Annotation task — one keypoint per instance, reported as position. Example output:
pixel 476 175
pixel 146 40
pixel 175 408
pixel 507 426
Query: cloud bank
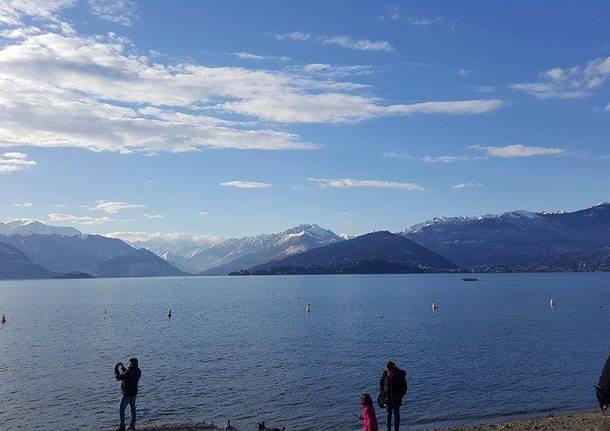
pixel 375 184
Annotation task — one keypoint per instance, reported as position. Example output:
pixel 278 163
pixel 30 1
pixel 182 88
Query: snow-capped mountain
pixel 62 250
pixel 517 238
pixel 33 227
pixel 240 253
pixel 184 247
pixel 372 253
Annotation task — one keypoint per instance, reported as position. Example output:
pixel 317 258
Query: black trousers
pixel 393 411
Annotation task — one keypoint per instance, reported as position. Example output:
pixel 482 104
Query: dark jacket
pixel 129 380
pixel 394 388
pixel 603 386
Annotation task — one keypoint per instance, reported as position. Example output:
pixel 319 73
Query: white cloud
pixel 393 155
pixel 118 11
pixel 392 13
pixel 344 214
pixel 113 207
pixel 339 40
pixel 246 184
pixel 12 162
pixel 377 184
pixel 167 237
pixel 607 108
pixel 203 213
pixel 331 71
pixel 154 216
pixel 463 72
pixel 15 155
pixel 24 205
pixel 13 11
pixel 424 22
pixel 466 185
pixel 358 44
pixel 295 35
pixel 84 220
pixel 518 150
pixel 445 159
pixel 568 83
pixel 344 108
pixel 249 56
pixel 63 90
pixel 59 206
pixel 430 159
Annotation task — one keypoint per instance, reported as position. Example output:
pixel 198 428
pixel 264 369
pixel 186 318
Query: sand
pixel 178 426
pixel 585 421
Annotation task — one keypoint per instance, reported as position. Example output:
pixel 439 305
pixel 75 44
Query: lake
pixel 242 348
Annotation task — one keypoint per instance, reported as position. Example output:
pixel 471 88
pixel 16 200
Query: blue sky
pixel 235 118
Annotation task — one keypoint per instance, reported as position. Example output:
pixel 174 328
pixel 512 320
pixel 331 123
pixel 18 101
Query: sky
pixel 236 118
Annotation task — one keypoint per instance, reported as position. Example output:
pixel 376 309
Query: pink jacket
pixel 369 420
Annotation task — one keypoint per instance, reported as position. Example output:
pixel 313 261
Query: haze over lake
pixel 242 348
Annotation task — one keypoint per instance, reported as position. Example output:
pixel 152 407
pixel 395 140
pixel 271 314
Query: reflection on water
pixel 243 348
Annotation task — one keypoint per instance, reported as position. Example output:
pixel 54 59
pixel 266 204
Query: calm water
pixel 243 348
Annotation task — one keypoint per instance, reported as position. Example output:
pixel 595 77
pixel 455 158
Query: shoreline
pixel 588 420
pixel 578 421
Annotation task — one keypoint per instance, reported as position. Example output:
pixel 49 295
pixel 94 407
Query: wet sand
pixel 585 421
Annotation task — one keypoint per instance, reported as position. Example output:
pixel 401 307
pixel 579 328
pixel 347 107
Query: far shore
pixel 582 421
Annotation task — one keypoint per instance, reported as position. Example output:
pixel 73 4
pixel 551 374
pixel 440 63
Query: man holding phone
pixel 129 378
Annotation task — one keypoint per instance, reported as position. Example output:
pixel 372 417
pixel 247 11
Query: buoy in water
pixel 434 306
pixel 169 313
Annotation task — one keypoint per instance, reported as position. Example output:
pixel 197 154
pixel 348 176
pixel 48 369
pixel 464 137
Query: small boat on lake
pixel 470 279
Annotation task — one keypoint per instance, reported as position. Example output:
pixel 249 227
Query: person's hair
pixel 134 362
pixel 366 400
pixel 390 366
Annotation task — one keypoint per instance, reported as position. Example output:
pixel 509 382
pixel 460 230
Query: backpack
pixel 403 383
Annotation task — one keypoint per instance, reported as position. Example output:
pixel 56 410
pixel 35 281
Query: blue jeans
pixel 132 406
pixel 393 411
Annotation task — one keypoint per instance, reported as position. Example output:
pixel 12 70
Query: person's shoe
pixel 132 428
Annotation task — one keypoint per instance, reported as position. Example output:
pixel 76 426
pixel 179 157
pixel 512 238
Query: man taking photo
pixel 129 378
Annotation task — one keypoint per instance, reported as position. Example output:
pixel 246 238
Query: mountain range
pixel 376 252
pixel 514 241
pixel 218 257
pixel 30 249
pixel 519 240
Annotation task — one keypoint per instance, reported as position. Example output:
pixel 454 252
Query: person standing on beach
pixel 392 389
pixel 368 418
pixel 129 387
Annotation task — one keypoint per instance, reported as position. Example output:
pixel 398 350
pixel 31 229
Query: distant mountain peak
pixel 34 227
pixel 374 252
pixel 238 253
pixel 520 213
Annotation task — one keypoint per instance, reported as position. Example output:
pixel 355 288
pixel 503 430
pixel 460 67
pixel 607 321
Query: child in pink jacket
pixel 368 418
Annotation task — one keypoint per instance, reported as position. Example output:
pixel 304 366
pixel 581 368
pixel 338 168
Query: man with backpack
pixel 392 389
